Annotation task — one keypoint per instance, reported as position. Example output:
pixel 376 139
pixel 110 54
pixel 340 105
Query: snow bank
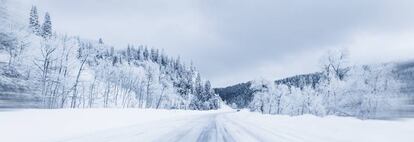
pixel 37 125
pixel 331 128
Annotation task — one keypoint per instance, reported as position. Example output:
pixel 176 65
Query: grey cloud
pixel 230 39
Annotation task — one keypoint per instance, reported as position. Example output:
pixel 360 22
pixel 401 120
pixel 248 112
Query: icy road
pixel 134 125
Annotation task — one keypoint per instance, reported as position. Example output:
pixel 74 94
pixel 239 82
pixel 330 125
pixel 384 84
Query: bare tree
pixel 335 63
pixel 75 86
pixel 44 64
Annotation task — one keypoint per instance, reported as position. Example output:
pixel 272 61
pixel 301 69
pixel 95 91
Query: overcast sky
pixel 233 41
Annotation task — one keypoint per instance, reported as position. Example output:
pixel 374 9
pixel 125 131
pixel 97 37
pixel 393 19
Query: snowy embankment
pixel 325 129
pixel 120 125
pixel 41 125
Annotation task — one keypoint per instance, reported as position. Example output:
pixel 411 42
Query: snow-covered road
pixel 203 128
pixel 132 125
pixel 209 127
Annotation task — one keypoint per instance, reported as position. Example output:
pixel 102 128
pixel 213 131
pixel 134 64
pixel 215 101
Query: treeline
pixel 71 72
pixel 241 95
pixel 342 89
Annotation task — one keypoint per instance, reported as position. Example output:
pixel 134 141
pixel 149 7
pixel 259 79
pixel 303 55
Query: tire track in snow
pixel 243 132
pixel 208 133
pixel 203 129
pixel 222 131
pixel 192 130
pixel 216 127
pixel 215 132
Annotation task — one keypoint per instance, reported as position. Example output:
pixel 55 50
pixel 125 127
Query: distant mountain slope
pixel 405 73
pixel 241 94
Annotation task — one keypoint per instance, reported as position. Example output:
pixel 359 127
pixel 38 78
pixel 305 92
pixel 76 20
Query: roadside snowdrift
pixel 41 125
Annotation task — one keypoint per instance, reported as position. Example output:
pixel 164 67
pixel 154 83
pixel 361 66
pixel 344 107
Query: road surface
pixel 211 127
pixel 148 125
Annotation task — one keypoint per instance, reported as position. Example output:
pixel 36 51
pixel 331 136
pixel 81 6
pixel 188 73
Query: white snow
pixel 4 58
pixel 52 125
pixel 125 125
pixel 318 129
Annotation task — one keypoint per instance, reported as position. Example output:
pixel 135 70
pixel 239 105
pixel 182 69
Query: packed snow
pixel 125 125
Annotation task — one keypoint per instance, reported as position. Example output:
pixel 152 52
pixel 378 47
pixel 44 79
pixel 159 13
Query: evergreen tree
pixel 146 53
pixel 100 41
pixel 153 56
pixel 34 21
pixel 157 56
pixel 111 51
pixel 192 74
pixel 209 97
pixel 177 64
pixel 129 54
pixel 47 27
pixel 208 91
pixel 139 54
pixel 199 89
pixel 164 58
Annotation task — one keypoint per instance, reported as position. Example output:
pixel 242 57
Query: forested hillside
pixel 240 95
pixel 405 73
pixel 41 68
pixel 237 96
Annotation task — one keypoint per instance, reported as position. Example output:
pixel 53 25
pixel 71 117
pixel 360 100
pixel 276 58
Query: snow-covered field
pixel 132 125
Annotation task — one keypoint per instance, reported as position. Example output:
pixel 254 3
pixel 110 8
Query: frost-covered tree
pixel 47 26
pixel 335 66
pixel 271 98
pixel 198 92
pixel 13 39
pixel 261 100
pixel 100 41
pixel 146 54
pixel 75 89
pixel 139 54
pixel 34 21
pixel 312 102
pixel 368 91
pixel 9 43
pixel 335 63
pixel 151 85
pixel 198 85
pixel 44 64
pixel 14 42
pixel 207 94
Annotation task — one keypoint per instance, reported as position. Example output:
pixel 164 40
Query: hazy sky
pixel 233 41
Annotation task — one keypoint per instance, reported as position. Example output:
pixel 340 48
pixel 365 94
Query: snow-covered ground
pixel 132 125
